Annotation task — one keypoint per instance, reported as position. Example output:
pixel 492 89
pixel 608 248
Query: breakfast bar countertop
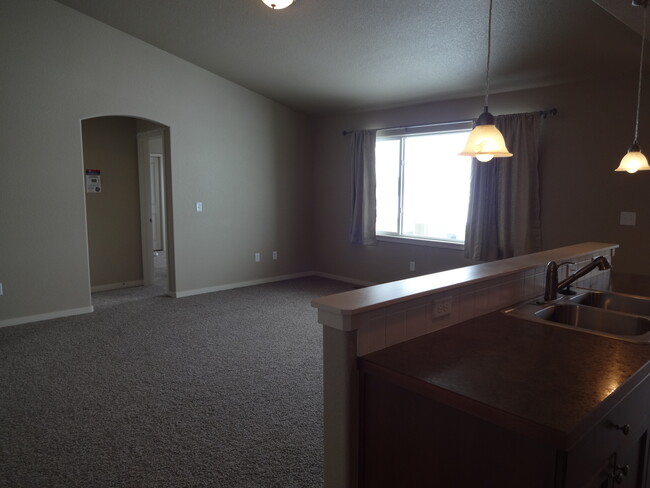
pixel 546 382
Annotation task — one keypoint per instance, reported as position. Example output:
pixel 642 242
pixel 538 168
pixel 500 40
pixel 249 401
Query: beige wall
pixel 113 216
pixel 581 195
pixel 244 156
pixel 269 178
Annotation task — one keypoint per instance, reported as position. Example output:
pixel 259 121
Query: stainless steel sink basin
pixel 596 319
pixel 625 317
pixel 614 301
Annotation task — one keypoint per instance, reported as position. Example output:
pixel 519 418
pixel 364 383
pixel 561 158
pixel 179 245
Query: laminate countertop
pixel 546 382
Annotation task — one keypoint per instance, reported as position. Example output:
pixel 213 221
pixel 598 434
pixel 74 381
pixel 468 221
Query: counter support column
pixel 341 408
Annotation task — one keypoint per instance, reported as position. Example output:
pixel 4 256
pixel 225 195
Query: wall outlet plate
pixel 442 307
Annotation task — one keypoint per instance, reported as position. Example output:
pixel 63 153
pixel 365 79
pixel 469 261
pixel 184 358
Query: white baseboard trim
pixel 116 286
pixel 241 284
pixel 199 291
pixel 45 316
pixel 344 279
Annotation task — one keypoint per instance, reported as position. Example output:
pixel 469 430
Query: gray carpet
pixel 216 390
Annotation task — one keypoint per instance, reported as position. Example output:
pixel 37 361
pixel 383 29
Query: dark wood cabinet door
pixel 408 440
pixel 413 442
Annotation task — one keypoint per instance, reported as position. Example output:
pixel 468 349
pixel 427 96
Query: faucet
pixel 552 285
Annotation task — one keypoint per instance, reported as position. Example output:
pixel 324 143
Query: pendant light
pixel 634 160
pixel 277 4
pixel 485 141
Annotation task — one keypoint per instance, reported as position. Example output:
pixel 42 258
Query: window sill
pixel 460 246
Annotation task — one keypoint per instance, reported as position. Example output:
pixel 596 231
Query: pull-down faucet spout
pixel 552 285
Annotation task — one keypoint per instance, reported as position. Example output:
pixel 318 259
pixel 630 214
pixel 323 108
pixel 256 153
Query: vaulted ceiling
pixel 323 56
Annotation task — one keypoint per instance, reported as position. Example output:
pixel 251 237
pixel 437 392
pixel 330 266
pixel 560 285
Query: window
pixel 423 185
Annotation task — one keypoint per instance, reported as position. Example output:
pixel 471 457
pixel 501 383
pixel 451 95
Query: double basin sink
pixel 605 313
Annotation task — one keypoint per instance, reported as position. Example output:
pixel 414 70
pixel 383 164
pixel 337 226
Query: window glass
pixel 423 186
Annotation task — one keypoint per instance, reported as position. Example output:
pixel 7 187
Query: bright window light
pixel 423 186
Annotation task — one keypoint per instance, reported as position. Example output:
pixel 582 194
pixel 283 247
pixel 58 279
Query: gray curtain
pixel 503 218
pixel 364 200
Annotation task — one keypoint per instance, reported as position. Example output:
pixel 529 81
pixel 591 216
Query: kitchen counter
pixel 544 382
pixel 365 321
pixel 501 401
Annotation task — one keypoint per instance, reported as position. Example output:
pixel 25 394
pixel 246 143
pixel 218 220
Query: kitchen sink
pixel 610 314
pixel 598 319
pixel 617 302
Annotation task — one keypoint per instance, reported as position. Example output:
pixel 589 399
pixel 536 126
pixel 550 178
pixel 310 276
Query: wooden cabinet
pixel 615 450
pixel 412 439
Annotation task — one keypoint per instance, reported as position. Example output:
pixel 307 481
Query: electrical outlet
pixel 412 266
pixel 1 292
pixel 275 255
pixel 258 257
pixel 441 307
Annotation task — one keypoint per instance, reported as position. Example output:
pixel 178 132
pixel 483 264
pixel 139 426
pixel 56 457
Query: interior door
pixel 156 171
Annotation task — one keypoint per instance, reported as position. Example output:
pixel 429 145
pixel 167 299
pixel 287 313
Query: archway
pixel 127 165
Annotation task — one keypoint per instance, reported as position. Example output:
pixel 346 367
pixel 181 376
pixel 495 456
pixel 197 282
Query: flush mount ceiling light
pixel 634 160
pixel 485 141
pixel 277 4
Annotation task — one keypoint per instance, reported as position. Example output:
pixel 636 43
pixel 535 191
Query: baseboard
pixel 116 286
pixel 241 284
pixel 45 316
pixel 180 294
pixel 345 279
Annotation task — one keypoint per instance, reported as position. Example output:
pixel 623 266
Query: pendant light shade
pixel 277 4
pixel 634 160
pixel 486 141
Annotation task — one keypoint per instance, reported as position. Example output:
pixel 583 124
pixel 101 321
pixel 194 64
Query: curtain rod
pixel 543 113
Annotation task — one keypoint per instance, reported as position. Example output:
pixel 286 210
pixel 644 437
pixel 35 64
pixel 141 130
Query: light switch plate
pixel 628 218
pixel 199 206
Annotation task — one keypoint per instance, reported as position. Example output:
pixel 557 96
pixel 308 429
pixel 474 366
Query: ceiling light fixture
pixel 634 160
pixel 277 4
pixel 485 141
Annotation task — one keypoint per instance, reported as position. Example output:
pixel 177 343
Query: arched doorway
pixel 128 159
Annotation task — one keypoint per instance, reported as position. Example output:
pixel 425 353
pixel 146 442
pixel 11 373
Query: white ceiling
pixel 323 56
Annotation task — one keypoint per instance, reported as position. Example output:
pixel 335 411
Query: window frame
pixel 400 134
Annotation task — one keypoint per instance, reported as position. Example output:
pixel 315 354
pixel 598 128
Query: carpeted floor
pixel 215 390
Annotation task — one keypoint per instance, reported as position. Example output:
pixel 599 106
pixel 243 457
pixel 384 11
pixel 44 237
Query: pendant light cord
pixel 638 96
pixel 489 45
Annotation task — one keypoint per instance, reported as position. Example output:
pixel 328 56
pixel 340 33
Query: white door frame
pixel 157 177
pixel 146 230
